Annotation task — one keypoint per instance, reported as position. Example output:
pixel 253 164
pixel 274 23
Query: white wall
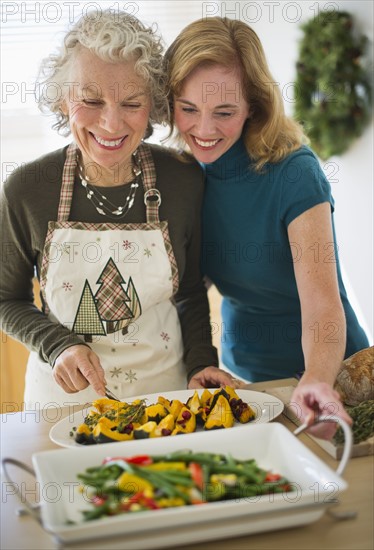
pixel 26 135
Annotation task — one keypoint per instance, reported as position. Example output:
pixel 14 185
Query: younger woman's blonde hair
pixel 269 135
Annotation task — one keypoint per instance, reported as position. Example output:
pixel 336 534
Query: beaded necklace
pixel 102 204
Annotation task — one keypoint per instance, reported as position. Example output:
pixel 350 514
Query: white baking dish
pixel 273 447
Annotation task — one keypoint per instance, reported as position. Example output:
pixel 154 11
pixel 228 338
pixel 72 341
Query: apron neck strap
pixel 67 187
pixel 152 196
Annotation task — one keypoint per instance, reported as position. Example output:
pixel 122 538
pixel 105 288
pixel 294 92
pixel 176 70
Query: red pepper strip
pixel 272 477
pixel 143 460
pixel 152 504
pixel 137 497
pixel 98 501
pixel 197 474
pixel 140 498
pixel 134 499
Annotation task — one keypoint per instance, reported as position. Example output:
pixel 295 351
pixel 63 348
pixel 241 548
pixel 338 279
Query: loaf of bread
pixel 355 381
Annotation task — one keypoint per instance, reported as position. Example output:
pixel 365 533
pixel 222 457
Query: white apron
pixel 112 284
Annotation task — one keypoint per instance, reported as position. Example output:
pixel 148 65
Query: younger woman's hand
pixel 318 399
pixel 212 377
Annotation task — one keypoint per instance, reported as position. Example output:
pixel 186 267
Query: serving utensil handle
pixel 32 509
pixel 348 439
pixel 110 395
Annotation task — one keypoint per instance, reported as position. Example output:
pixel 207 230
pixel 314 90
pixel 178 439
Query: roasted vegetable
pixel 111 424
pixel 243 413
pixel 221 415
pixel 219 393
pixel 103 434
pixel 206 398
pixel 144 431
pixel 194 403
pixel 231 393
pixel 175 407
pixel 165 427
pixel 83 435
pixel 104 404
pixel 155 413
pixel 185 423
pixel 195 406
pixel 165 402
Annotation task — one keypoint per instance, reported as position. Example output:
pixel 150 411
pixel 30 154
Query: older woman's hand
pixel 78 367
pixel 310 400
pixel 212 377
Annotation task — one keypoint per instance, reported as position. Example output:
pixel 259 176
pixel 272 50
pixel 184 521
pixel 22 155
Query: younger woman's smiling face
pixel 108 106
pixel 210 111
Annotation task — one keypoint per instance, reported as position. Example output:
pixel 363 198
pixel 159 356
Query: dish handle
pixel 32 509
pixel 348 439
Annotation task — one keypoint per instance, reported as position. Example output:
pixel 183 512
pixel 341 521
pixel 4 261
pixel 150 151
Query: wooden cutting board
pixel 284 393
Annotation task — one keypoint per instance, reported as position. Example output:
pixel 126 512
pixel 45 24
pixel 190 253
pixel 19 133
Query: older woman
pixel 111 226
pixel 268 234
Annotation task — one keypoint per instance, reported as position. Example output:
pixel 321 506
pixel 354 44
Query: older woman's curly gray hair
pixel 113 37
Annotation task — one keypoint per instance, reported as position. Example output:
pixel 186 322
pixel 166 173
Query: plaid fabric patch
pixel 111 298
pixel 88 226
pixel 45 262
pixel 68 177
pixel 87 320
pixel 152 196
pixel 169 249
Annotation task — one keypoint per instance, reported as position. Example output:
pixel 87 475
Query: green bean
pixel 250 473
pixel 161 479
pixel 94 469
pixel 231 461
pixel 185 456
pixel 177 479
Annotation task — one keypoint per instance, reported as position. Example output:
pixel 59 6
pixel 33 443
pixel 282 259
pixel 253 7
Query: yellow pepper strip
pixel 228 479
pixel 170 502
pixel 131 483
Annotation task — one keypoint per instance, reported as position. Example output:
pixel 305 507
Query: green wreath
pixel 332 94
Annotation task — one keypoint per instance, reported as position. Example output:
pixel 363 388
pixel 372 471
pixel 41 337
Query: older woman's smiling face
pixel 108 106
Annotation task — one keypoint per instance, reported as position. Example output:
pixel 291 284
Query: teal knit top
pixel 248 256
